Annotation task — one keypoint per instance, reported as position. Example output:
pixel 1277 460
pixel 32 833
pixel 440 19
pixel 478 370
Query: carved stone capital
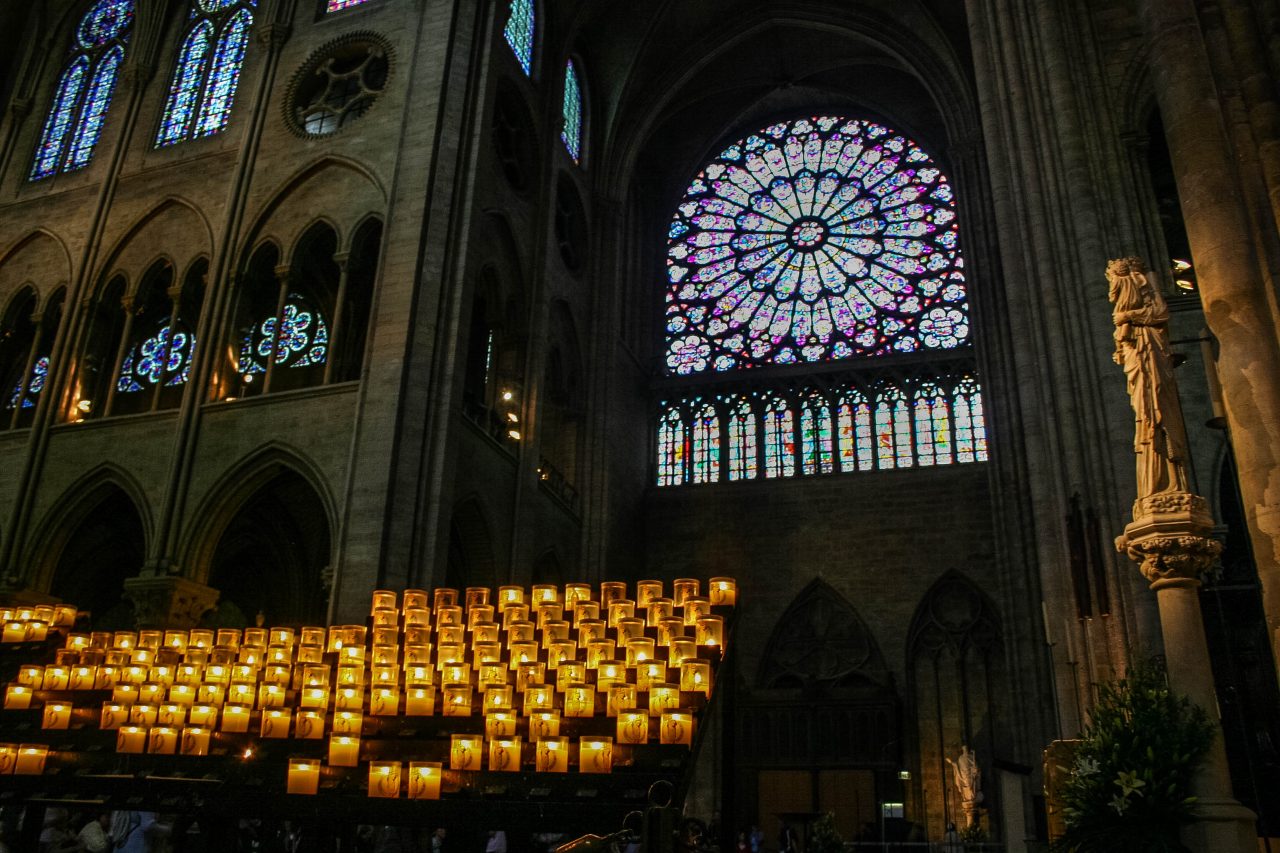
pixel 1166 560
pixel 1173 504
pixel 273 35
pixel 169 602
pixel 20 107
pixel 136 75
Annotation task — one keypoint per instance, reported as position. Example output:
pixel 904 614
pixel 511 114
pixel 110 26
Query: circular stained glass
pixel 106 21
pixel 813 240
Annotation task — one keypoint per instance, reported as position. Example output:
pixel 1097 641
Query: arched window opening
pixel 519 32
pixel 207 72
pixel 971 424
pixel 933 426
pixel 743 450
pixel 104 548
pixel 477 387
pixel 161 341
pixel 561 409
pixel 779 439
pixel 83 95
pixel 26 341
pixel 704 456
pixel 671 449
pixel 272 556
pixel 339 5
pixel 571 113
pixel 816 452
pixel 93 388
pixel 856 446
pixel 471 560
pixel 355 300
pixel 893 429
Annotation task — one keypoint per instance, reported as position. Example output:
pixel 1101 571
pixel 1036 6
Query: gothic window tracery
pixel 207 72
pixel 821 640
pixel 83 95
pixel 26 339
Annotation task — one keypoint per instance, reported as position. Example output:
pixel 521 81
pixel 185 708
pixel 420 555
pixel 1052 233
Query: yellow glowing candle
pixel 420 701
pixel 523 652
pixel 608 673
pixel 30 676
pixel 498 698
pixel 30 759
pixel 241 693
pixel 385 656
pixel 57 715
pixel 384 598
pixel 143 715
pixel 64 616
pixel 559 651
pixel 538 697
pixel 611 591
pixel 696 607
pixel 709 631
pixel 585 611
pixel 424 780
pixel 450 654
pixel 127 640
pixel 633 727
pixel 528 674
pixel 476 596
pixel 659 609
pixel 14 632
pixel 17 697
pixel 271 696
pixel 516 613
pixel 570 672
pixel 386 618
pixel 622 697
pixel 479 614
pixel 344 750
pixel 682 588
pixel 670 629
pixel 348 722
pixel 499 724
pixel 275 722
pixel 235 719
pixel 182 694
pixel 417 617
pixel 349 699
pixel 623 608
pixel 304 776
pixel 202 716
pixel 509 595
pixel 56 677
pixel 485 632
pixel 552 755
pixel 521 632
pixel 598 650
pixel 8 757
pixel 457 700
pixel 162 740
pixel 384 779
pixel 682 649
pixel 695 676
pixel 544 724
pixel 676 727
pixel 639 651
pixel 723 592
pixel 595 755
pixel 310 654
pixel 464 752
pixel 663 697
pixel 504 754
pixel 579 701
pixel 650 673
pixel 448 614
pixel 455 673
pixel 174 716
pixel 277 673
pixel 106 677
pixel 647 591
pixel 114 715
pixel 384 702
pixel 194 741
pixel 575 592
pixel 309 725
pixel 313 697
pixel 124 694
pixel 415 598
pixel 419 675
pixel 417 650
pixel 493 675
pixel 132 739
pixel 548 613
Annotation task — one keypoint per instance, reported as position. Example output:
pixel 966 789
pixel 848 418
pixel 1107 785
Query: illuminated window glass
pixel 671 449
pixel 815 437
pixel 339 5
pixel 302 339
pixel 161 359
pixel 207 72
pixel 704 461
pixel 35 384
pixel 814 240
pixel 519 32
pixel 854 434
pixel 892 429
pixel 933 426
pixel 83 95
pixel 779 440
pixel 742 441
pixel 971 426
pixel 572 112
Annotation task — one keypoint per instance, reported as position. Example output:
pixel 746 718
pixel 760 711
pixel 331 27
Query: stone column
pixel 1236 305
pixel 1170 540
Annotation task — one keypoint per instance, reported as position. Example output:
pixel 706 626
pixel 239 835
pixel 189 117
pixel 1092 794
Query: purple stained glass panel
pixel 339 5
pixel 96 102
pixel 193 61
pixel 220 92
pixel 58 124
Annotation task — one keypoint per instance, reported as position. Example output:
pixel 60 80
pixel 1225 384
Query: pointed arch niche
pixel 820 730
pixel 959 688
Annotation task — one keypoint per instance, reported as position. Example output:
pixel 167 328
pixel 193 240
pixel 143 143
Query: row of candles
pixel 32 624
pixel 279 677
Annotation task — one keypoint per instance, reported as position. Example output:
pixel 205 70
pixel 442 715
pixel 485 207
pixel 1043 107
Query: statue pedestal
pixel 169 601
pixel 1170 541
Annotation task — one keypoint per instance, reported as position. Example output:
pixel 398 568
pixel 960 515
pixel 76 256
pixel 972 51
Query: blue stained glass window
pixel 705 450
pixel 165 357
pixel 224 77
pixel 572 133
pixel 339 5
pixel 58 123
pixel 188 78
pixel 814 240
pixel 742 442
pixel 96 101
pixel 303 340
pixel 815 437
pixel 779 440
pixel 671 449
pixel 39 374
pixel 519 32
pixel 83 96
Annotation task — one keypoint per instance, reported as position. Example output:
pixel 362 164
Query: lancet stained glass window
pixel 971 425
pixel 83 95
pixel 854 416
pixel 933 426
pixel 705 452
pixel 571 135
pixel 519 32
pixel 742 442
pixel 671 449
pixel 815 437
pixel 779 440
pixel 207 72
pixel 813 240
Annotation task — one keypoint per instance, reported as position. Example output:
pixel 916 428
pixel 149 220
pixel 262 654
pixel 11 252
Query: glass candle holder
pixel 574 592
pixel 590 631
pixel 384 779
pixel 8 757
pixel 310 654
pixel 595 755
pixel 30 676
pixel 304 776
pixel 384 599
pixel 384 702
pixel 194 741
pixel 599 650
pixel 210 694
pixel 509 595
pixel 313 697
pixel 386 617
pixel 559 651
pixel 143 715
pixel 347 722
pixel 681 650
pixel 480 614
pixel 538 697
pixel 127 640
pixel 114 715
pixel 619 609
pixel 640 650
pixel 182 694
pixel 275 722
pixel 493 675
pixel 570 672
pixel 57 715
pixel 695 607
pixel 647 591
pixel 457 700
pixel 622 697
pixel 449 614
pixel 551 755
pixel 695 676
pixel 171 715
pixel 235 719
pixel 611 591
pixel 57 677
pixel 579 701
pixel 659 609
pixel 455 673
pixel 629 629
pixel 17 697
pixel 420 701
pixel 419 674
pixel 131 739
pixel 450 653
pixel 311 636
pixel 464 752
pixel 344 750
pixel 709 631
pixel 521 632
pixel 162 740
pixel 530 673
pixel 545 612
pixel 424 780
pixel 417 617
pixel 202 716
pixel 723 592
pixel 513 614
pixel 475 596
pixel 499 724
pixel 676 727
pixel 633 727
pixel 309 724
pixel 521 652
pixel 30 759
pixel 416 599
pixel 498 698
pixel 451 635
pixel 271 696
pixel 585 610
pixel 485 633
pixel 544 724
pixel 504 754
pixel 348 699
pixel 682 588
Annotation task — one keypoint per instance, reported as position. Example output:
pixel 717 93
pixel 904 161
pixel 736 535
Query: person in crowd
pixel 93 836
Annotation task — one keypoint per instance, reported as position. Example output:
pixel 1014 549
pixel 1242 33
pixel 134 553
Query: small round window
pixel 338 84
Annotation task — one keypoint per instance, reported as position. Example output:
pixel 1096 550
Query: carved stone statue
pixel 968 779
pixel 1141 317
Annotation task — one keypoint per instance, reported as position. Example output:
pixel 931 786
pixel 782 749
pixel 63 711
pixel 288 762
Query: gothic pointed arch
pixel 471 560
pixel 821 640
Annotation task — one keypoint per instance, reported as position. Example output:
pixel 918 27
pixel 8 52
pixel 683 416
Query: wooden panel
pixel 782 792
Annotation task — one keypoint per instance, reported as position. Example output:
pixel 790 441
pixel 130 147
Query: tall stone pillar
pixel 1170 538
pixel 1236 305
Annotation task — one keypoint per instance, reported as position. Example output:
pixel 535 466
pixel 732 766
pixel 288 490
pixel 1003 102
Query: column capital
pixel 169 602
pixel 1171 539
